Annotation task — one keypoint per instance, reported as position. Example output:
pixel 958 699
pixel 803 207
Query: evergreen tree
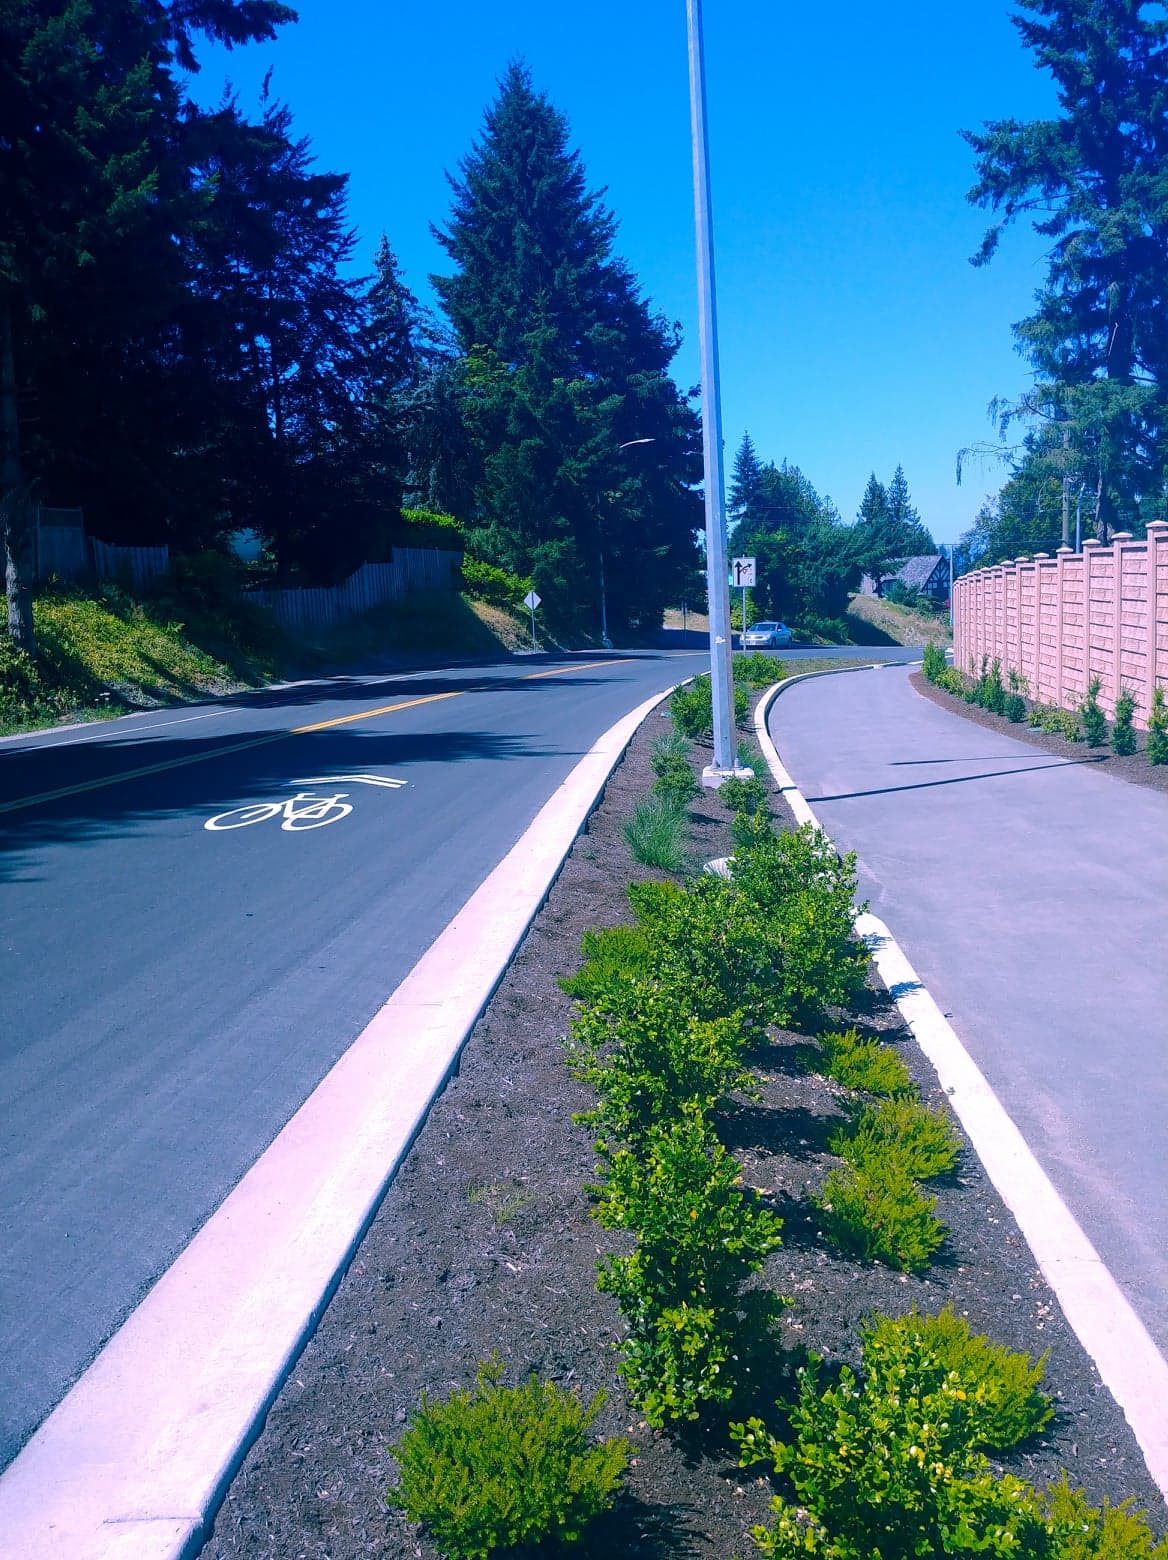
pixel 888 528
pixel 564 364
pixel 746 484
pixel 874 504
pixel 1094 175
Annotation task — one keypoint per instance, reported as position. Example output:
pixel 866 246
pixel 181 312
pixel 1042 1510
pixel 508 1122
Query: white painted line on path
pixel 1129 1363
pixel 132 1464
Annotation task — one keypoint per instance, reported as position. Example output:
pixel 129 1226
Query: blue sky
pixel 854 332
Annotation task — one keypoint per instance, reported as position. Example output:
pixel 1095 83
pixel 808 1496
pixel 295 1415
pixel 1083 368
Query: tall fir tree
pixel 874 504
pixel 746 485
pixel 564 364
pixel 1092 181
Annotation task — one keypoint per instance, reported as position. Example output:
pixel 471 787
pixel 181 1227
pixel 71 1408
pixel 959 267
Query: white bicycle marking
pixel 304 810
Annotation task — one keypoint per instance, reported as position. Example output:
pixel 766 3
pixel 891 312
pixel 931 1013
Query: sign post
pixel 531 601
pixel 743 572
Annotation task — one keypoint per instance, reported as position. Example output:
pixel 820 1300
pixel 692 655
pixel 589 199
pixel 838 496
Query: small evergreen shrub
pixel 989 691
pixel 1059 722
pixel 493 585
pixel 692 708
pixel 1123 732
pixel 744 796
pixel 668 749
pixel 492 1467
pixel 612 956
pixel 656 833
pixel 934 662
pixel 867 1066
pixel 699 1237
pixel 675 783
pixel 1157 749
pixel 879 1213
pixel 919 1140
pixel 1015 705
pixel 1091 716
pixel 951 680
pixel 1080 1531
pixel 758 670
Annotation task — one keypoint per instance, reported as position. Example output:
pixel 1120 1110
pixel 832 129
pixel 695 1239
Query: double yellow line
pixel 275 736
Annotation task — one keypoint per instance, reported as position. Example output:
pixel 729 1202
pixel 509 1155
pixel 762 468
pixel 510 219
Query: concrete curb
pixel 133 1463
pixel 1130 1365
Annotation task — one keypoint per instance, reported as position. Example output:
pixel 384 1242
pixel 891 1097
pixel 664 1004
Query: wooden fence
pixel 411 568
pixel 1060 621
pixel 135 566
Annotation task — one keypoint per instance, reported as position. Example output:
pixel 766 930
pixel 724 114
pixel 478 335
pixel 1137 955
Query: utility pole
pixel 718 584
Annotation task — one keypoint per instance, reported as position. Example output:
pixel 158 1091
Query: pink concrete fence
pixel 1061 621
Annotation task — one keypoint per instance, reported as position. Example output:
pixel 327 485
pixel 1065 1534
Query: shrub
pixel 1015 704
pixel 758 670
pixel 1123 733
pixel 865 1065
pixel 1080 1531
pixel 699 1237
pixel 919 1140
pixel 749 759
pixel 668 749
pixel 692 708
pixel 656 833
pixel 618 954
pixel 934 662
pixel 1092 718
pixel 1157 748
pixel 495 1466
pixel 493 585
pixel 429 528
pixel 890 1467
pixel 988 691
pixel 951 680
pixel 676 785
pixel 650 1061
pixel 879 1213
pixel 1002 1388
pixel 744 796
pixel 1059 722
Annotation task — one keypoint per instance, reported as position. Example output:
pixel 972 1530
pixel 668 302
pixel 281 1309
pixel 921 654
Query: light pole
pixel 717 581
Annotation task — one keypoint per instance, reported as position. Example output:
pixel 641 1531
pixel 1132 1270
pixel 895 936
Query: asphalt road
pixel 173 992
pixel 1029 892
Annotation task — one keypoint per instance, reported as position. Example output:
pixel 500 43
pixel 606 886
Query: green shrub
pixel 493 585
pixel 750 830
pixel 1091 716
pixel 1014 708
pixel 1157 748
pixel 656 833
pixel 494 1466
pixel 744 796
pixel 934 662
pixel 1002 1388
pixel 1080 1531
pixel 692 708
pixel 889 1467
pixel 951 680
pixel 988 691
pixel 1059 722
pixel 1123 733
pixel 429 528
pixel 867 1066
pixel 699 1237
pixel 921 1141
pixel 879 1213
pixel 614 955
pixel 650 1061
pixel 668 748
pixel 758 670
pixel 749 759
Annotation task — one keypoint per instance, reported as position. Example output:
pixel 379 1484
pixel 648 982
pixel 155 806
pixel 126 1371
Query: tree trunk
pixel 16 511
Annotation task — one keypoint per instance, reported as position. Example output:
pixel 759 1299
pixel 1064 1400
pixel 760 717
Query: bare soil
pixel 1133 767
pixel 484 1243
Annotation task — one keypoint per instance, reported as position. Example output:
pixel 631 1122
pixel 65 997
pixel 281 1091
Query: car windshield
pixel 762 628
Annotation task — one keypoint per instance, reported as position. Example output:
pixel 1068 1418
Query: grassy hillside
pixel 102 652
pixel 876 622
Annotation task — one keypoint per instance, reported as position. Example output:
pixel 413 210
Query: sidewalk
pixel 1031 894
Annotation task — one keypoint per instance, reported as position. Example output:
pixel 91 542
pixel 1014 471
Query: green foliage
pixel 1015 708
pixel 668 749
pixel 1059 722
pixel 890 1466
pixel 1157 748
pixel 745 796
pixel 1003 1398
pixel 699 1237
pixel 1080 1531
pixel 692 708
pixel 878 1212
pixel 1091 716
pixel 989 691
pixel 494 585
pixel 675 781
pixel 758 670
pixel 656 833
pixel 494 1466
pixel 649 1060
pixel 749 759
pixel 616 954
pixel 921 1141
pixel 1123 734
pixel 429 528
pixel 951 680
pixel 867 1066
pixel 933 663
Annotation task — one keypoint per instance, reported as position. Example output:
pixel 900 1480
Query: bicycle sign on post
pixel 742 575
pixel 531 600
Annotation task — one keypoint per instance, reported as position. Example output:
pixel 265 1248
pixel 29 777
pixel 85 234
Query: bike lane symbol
pixel 304 810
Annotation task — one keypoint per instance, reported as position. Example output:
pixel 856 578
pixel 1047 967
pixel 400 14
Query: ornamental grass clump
pixel 1123 732
pixel 868 1066
pixel 670 763
pixel 1157 749
pixel 492 1467
pixel 700 1236
pixel 657 834
pixel 922 1141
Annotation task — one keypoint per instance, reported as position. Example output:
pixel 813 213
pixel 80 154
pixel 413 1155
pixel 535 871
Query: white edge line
pixel 134 1461
pixel 1115 1339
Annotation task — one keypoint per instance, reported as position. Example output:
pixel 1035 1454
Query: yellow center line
pixel 202 758
pixel 561 671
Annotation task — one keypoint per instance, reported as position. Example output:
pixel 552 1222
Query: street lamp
pixel 717 580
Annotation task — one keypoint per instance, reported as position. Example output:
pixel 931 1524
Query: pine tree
pixel 874 504
pixel 746 489
pixel 564 364
pixel 1098 338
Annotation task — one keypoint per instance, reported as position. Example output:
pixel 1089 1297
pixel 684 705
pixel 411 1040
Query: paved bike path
pixel 1031 894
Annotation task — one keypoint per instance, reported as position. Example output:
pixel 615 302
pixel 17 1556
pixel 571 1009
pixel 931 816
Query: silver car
pixel 767 636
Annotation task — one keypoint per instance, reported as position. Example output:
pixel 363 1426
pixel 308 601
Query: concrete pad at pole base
pixel 713 777
pixel 134 1461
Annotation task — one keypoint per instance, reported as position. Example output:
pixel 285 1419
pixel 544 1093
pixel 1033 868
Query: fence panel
pixel 137 565
pixel 1059 622
pixel 319 607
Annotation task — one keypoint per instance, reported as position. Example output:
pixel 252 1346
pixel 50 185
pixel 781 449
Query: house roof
pixel 916 572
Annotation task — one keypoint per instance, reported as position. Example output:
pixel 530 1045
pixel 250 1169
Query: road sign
pixel 531 600
pixel 742 572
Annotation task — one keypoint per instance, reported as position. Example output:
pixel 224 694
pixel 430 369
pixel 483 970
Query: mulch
pixel 484 1243
pixel 1133 767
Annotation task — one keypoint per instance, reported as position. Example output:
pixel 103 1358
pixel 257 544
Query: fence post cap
pixel 1121 536
pixel 1092 541
pixel 1157 525
pixel 1064 551
pixel 1040 555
